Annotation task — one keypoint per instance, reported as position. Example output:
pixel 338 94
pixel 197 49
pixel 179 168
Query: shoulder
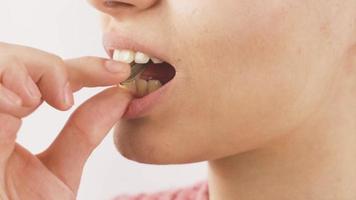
pixel 196 192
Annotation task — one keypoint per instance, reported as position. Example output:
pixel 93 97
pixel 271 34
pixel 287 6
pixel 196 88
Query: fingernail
pixel 32 89
pixel 115 67
pixel 68 95
pixel 10 97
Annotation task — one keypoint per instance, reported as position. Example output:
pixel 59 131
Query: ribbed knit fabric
pixel 197 192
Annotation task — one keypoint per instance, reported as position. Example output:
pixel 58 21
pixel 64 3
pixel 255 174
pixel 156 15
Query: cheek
pixel 250 77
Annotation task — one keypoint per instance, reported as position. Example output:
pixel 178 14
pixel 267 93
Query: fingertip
pixel 117 67
pixel 126 94
pixel 65 100
pixel 68 99
pixel 118 71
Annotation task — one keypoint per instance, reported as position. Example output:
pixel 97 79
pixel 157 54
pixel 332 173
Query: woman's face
pixel 247 72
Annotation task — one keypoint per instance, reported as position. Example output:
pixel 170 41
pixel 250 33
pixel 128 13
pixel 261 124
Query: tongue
pixel 163 72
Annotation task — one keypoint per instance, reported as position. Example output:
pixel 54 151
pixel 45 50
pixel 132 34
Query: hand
pixel 29 77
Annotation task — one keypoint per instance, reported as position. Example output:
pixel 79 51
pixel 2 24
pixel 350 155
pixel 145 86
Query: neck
pixel 317 161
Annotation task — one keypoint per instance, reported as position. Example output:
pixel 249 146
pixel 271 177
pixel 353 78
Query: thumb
pixel 84 131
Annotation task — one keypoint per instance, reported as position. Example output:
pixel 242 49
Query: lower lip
pixel 140 107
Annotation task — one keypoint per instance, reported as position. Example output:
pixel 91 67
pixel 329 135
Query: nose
pixel 114 7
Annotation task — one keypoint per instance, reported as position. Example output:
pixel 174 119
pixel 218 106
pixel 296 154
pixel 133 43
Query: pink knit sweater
pixel 197 192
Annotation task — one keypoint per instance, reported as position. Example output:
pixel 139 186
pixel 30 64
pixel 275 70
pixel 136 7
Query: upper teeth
pixel 128 56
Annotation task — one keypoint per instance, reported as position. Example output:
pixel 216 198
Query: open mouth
pixel 148 74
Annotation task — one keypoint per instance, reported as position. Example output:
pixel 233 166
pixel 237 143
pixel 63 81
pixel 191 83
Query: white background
pixel 70 28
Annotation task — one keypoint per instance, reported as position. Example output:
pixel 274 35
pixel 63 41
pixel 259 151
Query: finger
pixel 47 70
pixel 50 72
pixel 82 134
pixel 17 79
pixel 8 131
pixel 54 84
pixel 11 103
pixel 8 99
pixel 93 72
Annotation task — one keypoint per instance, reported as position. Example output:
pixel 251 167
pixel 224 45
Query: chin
pixel 141 141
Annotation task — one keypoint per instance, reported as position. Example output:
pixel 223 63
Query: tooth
pixel 141 58
pixel 116 55
pixel 131 86
pixel 156 60
pixel 153 85
pixel 125 56
pixel 141 86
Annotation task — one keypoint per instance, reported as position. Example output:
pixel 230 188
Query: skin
pixel 264 91
pixel 38 76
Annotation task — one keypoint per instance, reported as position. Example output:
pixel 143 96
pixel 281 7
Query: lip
pixel 138 107
pixel 117 40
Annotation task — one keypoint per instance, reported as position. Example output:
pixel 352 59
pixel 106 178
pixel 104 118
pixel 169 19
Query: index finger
pixel 95 72
pixel 83 72
pixel 57 78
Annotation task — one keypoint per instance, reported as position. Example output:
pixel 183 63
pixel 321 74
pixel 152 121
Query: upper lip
pixel 117 40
